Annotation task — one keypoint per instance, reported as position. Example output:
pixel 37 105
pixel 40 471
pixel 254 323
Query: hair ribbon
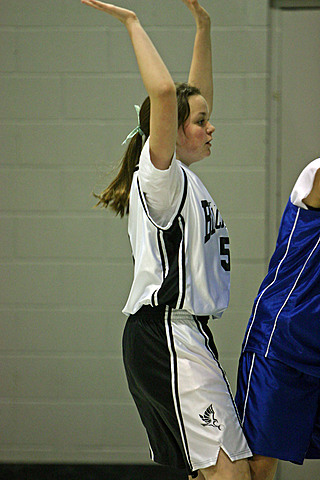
pixel 136 130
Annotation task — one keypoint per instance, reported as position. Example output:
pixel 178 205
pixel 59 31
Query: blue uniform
pixel 285 320
pixel 278 394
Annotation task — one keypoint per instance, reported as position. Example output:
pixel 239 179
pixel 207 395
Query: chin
pixel 206 155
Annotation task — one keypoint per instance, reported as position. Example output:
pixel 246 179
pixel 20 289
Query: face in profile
pixel 195 136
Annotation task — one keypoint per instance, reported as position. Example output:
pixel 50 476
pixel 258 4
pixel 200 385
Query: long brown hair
pixel 116 195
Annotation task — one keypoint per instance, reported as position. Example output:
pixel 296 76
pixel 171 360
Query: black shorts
pixel 180 389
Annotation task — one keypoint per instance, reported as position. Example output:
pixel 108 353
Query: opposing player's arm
pixel 313 199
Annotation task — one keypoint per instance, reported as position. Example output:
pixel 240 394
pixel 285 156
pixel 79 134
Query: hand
pixel 200 14
pixel 121 14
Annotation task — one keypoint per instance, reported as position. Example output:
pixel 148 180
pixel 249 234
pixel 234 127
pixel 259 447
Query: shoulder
pixel 306 190
pixel 147 167
pixel 154 180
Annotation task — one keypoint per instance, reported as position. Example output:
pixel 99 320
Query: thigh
pixel 149 371
pixel 263 468
pixel 314 447
pixel 181 392
pixel 206 405
pixel 225 469
pixel 277 406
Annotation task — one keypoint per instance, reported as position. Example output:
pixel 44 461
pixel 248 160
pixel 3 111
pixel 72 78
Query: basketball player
pixel 180 247
pixel 278 393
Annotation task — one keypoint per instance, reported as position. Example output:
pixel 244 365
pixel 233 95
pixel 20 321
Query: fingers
pixel 194 6
pixel 191 3
pixel 94 4
pixel 121 14
pixel 200 14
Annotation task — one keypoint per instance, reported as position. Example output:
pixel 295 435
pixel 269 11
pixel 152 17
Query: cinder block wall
pixel 68 82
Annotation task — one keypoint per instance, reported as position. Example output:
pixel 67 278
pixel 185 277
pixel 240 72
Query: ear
pixel 181 137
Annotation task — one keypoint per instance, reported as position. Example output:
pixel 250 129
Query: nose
pixel 210 128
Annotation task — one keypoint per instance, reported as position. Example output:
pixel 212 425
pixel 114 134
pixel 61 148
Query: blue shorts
pixel 279 408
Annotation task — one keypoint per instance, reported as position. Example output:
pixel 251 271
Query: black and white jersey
pixel 180 249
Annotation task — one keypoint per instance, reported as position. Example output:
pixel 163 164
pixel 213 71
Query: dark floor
pixel 87 472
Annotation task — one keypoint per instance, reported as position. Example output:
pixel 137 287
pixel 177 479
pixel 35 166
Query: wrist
pixel 203 22
pixel 131 21
pixel 202 17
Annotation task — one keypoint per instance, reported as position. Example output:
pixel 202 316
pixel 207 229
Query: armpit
pixel 313 199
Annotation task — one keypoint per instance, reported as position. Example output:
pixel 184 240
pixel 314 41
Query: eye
pixel 201 122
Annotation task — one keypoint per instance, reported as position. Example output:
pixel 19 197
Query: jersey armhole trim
pixel 184 196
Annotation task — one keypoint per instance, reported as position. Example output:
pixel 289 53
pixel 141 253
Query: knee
pixel 243 471
pixel 237 470
pixel 263 468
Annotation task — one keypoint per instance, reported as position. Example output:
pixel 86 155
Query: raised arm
pixel 157 81
pixel 200 74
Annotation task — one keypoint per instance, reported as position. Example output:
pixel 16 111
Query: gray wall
pixel 69 81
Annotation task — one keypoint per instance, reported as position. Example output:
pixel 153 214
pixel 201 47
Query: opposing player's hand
pixel 199 13
pixel 121 14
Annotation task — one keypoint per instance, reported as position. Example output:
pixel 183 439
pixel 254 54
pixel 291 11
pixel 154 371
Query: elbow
pixel 166 91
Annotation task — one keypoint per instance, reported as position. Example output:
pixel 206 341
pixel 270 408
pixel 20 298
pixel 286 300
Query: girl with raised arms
pixel 180 247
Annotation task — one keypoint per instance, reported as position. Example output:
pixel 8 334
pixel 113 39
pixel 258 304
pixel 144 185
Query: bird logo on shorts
pixel 209 420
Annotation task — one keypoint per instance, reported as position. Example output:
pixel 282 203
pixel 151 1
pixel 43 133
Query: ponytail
pixel 116 195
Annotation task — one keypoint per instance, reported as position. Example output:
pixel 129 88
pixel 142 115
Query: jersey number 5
pixel 224 250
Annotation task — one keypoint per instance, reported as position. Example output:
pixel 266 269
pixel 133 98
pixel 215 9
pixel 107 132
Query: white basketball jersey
pixel 185 264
